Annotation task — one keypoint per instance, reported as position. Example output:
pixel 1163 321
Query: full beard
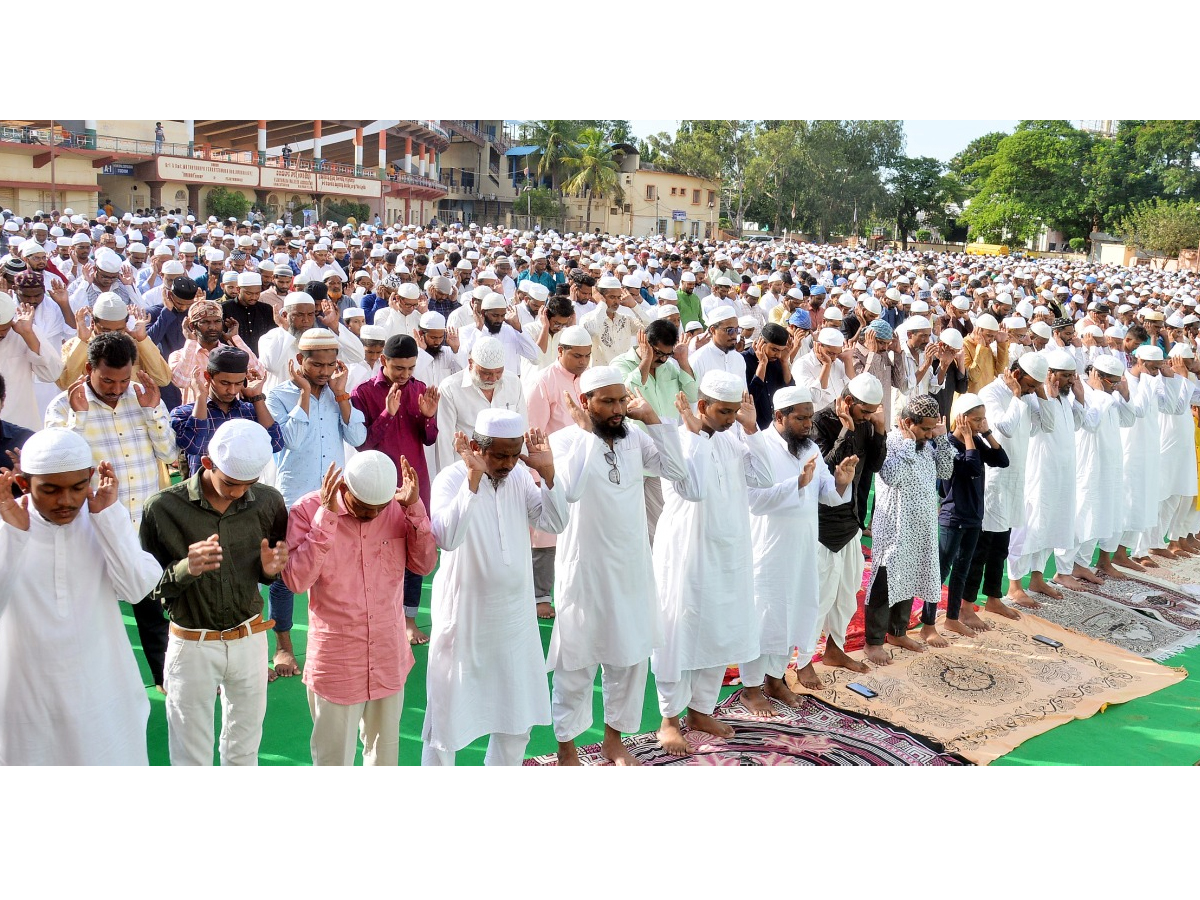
pixel 296 332
pixel 433 351
pixel 493 327
pixel 796 444
pixel 607 432
pixel 481 384
pixel 921 444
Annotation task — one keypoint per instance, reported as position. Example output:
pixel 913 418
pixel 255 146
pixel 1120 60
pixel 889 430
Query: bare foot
pixel 285 664
pixel 972 620
pixel 1191 543
pixel 835 657
pixel 1109 569
pixel 1121 558
pixel 162 690
pixel 809 678
pixel 1180 551
pixel 1039 585
pixel 1067 581
pixel 1000 608
pixel 1084 574
pixel 959 627
pixel 1147 562
pixel 1163 553
pixel 545 610
pixel 777 689
pixel 904 642
pixel 877 655
pixel 671 739
pixel 706 723
pixel 930 635
pixel 755 702
pixel 415 634
pixel 567 754
pixel 271 674
pixel 614 749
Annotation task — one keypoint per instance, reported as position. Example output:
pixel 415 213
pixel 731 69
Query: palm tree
pixel 554 139
pixel 594 171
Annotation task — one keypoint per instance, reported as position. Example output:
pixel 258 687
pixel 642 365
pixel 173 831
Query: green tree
pixel 224 203
pixel 342 210
pixel 917 186
pixel 972 163
pixel 539 203
pixel 593 170
pixel 1163 227
pixel 555 139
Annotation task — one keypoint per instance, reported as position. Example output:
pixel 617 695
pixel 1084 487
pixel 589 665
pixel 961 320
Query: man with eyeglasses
pixel 716 349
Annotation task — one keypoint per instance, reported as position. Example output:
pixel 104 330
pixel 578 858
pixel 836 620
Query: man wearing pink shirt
pixel 349 546
pixel 546 399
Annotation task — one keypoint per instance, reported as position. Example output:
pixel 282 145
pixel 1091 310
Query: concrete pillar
pixel 383 151
pixel 155 193
pixel 421 156
pixel 407 166
pixel 194 200
pixel 190 125
pixel 89 133
pixel 407 206
pixel 317 139
pixel 262 142
pixel 358 147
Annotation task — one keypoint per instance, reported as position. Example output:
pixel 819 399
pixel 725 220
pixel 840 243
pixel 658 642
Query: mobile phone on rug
pixel 1049 642
pixel 862 690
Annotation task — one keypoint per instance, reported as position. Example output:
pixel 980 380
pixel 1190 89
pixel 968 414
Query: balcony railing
pixel 416 181
pixel 499 141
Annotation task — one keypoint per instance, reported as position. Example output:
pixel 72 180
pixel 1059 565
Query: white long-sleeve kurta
pixel 1143 472
pixel 606 605
pixel 487 673
pixel 277 347
pixel 70 692
pixel 1177 448
pixel 460 405
pixel 1014 420
pixel 783 525
pixel 20 366
pixel 703 555
pixel 1099 468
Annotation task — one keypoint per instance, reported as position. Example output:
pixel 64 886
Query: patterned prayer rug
pixel 815 734
pixel 983 696
pixel 1167 605
pixel 1178 574
pixel 1106 620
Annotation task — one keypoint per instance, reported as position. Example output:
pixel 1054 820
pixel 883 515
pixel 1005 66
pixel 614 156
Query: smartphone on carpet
pixel 1049 642
pixel 862 689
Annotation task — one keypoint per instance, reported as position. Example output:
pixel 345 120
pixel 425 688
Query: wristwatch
pixel 986 433
pixel 257 398
pixel 341 398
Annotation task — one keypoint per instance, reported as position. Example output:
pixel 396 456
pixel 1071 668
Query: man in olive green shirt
pixel 218 536
pixel 689 301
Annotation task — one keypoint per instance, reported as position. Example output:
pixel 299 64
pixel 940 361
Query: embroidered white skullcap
pixel 663 310
pixel 608 282
pixel 720 314
pixel 353 312
pixel 108 307
pixel 297 298
pixel 1034 365
pixel 1062 360
pixel 952 338
pixel 371 477
pixel 574 336
pixel 1042 330
pixel 600 377
pixel 488 353
pixel 1182 351
pixel 409 291
pixel 54 450
pixel 240 449
pixel 494 301
pixel 8 308
pixel 1108 364
pixel 373 333
pixel 500 423
pixel 987 322
pixel 866 388
pixel 790 396
pixel 830 337
pixel 964 403
pixel 317 339
pixel 249 279
pixel 723 386
pixel 433 321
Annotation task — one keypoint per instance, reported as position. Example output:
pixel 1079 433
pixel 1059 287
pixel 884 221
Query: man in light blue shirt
pixel 313 410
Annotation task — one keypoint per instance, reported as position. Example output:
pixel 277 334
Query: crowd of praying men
pixel 668 446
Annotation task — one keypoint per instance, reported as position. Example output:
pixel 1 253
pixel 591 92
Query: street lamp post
pixel 710 219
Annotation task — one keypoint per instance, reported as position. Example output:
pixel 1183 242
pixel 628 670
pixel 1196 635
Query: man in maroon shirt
pixel 401 420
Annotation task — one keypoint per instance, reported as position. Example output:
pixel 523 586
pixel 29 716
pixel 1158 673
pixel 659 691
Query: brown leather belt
pixel 254 626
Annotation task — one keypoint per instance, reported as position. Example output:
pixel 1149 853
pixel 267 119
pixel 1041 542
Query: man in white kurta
pixel 487 673
pixel 484 384
pixel 703 559
pixel 604 584
pixel 783 525
pixel 70 692
pixel 1177 455
pixel 25 354
pixel 1098 474
pixel 1049 514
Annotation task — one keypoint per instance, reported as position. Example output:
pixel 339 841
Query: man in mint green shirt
pixel 657 368
pixel 688 300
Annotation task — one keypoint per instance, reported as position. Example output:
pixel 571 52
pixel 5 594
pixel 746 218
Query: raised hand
pixel 843 413
pixel 329 487
pixel 77 394
pixel 141 321
pixel 273 559
pixel 298 378
pixel 204 556
pixel 473 458
pixel 337 381
pixel 702 338
pixel 149 396
pixel 419 337
pixel 452 339
pixel 329 315
pixel 938 430
pixel 537 454
pixel 253 388
pixel 640 410
pixel 200 388
pixel 59 293
pixel 806 475
pixel 409 491
pixel 685 413
pixel 427 403
pixel 22 322
pixel 578 415
pixel 105 493
pixel 392 401
pixel 746 415
pixel 231 329
pixel 1012 382
pixel 13 512
pixel 844 473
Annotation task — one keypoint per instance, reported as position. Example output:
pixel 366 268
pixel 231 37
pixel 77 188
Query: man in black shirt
pixel 768 368
pixel 254 319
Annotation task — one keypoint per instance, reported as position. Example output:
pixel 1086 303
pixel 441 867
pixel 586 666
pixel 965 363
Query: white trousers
pixel 338 727
pixel 502 750
pixel 753 673
pixel 696 689
pixel 1176 515
pixel 1020 566
pixel 1145 541
pixel 1066 560
pixel 840 578
pixel 624 690
pixel 193 672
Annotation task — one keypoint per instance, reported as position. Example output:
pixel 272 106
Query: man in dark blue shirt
pixel 166 327
pixel 768 368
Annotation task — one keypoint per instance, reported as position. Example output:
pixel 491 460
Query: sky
pixel 939 139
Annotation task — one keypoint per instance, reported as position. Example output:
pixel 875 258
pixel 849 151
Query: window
pixel 712 197
pixel 695 224
pixel 673 191
pixel 650 194
pixel 696 197
pixel 662 226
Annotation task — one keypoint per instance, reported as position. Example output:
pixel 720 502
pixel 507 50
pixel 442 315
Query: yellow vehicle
pixel 987 249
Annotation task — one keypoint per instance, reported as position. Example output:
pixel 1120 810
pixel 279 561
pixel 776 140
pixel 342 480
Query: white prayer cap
pixel 1014 322
pixel 249 279
pixel 575 336
pixel 488 353
pixel 964 403
pixel 241 449
pixel 174 267
pixel 1004 298
pixel 724 282
pixel 915 323
pixel 1175 321
pixel 720 314
pixel 667 294
pixel 8 308
pixel 229 277
pixel 1182 351
pixel 1042 330
pixel 1034 365
pixel 500 423
pixel 663 310
pixel 373 333
pixel 952 338
pixel 608 282
pixel 540 292
pixel 919 306
pixel 961 303
pixel 987 322
pixel 693 326
pixel 491 301
pixel 848 301
pixel 1091 328
pixel 830 337
pixel 1124 308
pixel 409 291
pixel 633 282
pixel 866 388
pixel 107 261
pixel 297 298
pixel 1108 364
pixel 214 255
pixel 1115 331
pixel 872 305
pixel 1190 319
pixel 30 247
pixel 787 397
pixel 722 386
pixel 353 312
pixel 1061 360
pixel 137 247
pixel 433 321
pixel 894 295
pixel 108 307
pixel 54 450
pixel 600 377
pixel 371 477
pixel 317 339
